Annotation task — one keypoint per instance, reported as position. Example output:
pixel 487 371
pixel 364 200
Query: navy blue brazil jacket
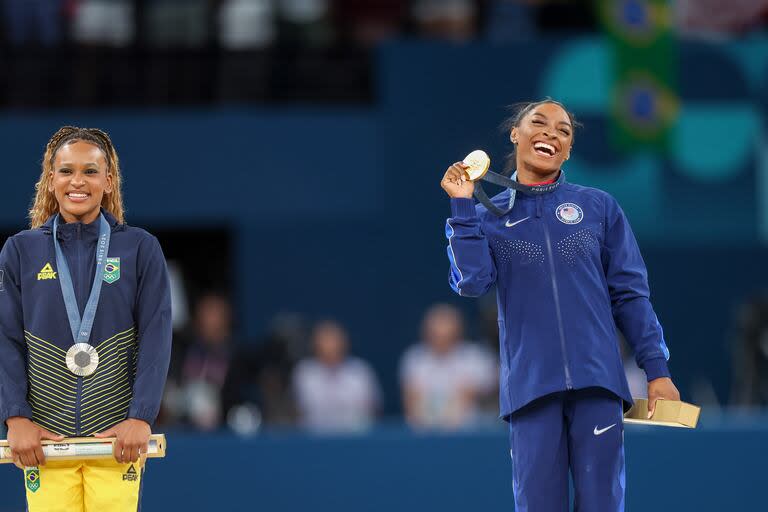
pixel 131 332
pixel 568 272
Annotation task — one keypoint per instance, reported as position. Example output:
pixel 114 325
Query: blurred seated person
pixel 444 378
pixel 749 353
pixel 261 373
pixel 334 391
pixel 194 395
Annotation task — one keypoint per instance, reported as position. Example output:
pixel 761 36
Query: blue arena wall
pixel 718 467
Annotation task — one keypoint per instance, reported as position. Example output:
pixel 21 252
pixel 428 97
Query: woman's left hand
pixel 660 389
pixel 132 439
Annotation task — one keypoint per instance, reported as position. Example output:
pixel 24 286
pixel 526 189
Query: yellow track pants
pixel 101 485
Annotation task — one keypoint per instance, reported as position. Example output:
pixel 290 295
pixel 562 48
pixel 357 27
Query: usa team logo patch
pixel 569 213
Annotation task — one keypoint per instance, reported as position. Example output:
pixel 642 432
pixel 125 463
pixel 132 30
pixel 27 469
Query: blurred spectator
pixel 179 307
pixel 750 354
pixel 334 391
pixel 34 21
pixel 193 394
pixel 449 19
pixel 261 372
pixel 246 24
pixel 305 22
pixel 443 378
pixel 104 22
pixel 276 359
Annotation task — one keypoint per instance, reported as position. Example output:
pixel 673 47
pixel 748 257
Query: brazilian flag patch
pixel 112 270
pixel 32 477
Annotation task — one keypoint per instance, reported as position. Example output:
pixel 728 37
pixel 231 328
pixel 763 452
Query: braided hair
pixel 45 203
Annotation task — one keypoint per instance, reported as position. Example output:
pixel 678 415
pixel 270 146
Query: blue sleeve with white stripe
pixel 627 280
pixel 472 269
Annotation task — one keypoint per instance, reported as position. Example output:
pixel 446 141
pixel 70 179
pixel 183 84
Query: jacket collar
pixel 64 227
pixel 535 190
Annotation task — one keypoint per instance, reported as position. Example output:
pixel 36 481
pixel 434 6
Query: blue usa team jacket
pixel 568 272
pixel 131 331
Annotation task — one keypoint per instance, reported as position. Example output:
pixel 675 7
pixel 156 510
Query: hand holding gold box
pixel 668 413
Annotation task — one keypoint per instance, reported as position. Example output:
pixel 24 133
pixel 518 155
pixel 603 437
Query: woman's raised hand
pixel 456 182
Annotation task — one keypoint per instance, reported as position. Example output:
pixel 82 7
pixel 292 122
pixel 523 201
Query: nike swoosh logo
pixel 510 224
pixel 597 431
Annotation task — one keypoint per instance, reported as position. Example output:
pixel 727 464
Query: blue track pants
pixel 580 430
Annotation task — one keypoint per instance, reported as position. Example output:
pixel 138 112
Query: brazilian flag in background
pixel 645 100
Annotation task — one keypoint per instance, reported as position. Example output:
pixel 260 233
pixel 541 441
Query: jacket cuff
pixel 24 411
pixel 656 368
pixel 143 413
pixel 463 207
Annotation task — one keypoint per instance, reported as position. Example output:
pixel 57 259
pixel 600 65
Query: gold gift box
pixel 668 413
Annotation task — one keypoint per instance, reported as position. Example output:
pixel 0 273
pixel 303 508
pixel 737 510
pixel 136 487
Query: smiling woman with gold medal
pixel 85 330
pixel 568 273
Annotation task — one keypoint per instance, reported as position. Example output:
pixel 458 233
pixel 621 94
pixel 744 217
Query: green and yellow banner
pixel 642 43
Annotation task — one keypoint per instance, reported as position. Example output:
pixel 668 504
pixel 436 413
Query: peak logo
pixel 46 273
pixel 131 475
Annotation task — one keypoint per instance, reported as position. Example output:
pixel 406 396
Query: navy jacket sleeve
pixel 630 295
pixel 13 348
pixel 472 269
pixel 153 319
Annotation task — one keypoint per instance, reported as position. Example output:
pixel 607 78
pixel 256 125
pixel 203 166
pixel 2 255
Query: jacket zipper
pixel 568 381
pixel 79 379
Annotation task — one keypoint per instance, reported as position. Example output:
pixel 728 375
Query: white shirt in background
pixel 441 381
pixel 335 399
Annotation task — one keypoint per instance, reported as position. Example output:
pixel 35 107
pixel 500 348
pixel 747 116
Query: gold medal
pixel 82 359
pixel 478 162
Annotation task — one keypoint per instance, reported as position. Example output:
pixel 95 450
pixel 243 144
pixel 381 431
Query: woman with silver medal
pixel 85 330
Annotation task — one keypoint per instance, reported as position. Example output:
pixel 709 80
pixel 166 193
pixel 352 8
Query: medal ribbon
pixel 81 328
pixel 514 186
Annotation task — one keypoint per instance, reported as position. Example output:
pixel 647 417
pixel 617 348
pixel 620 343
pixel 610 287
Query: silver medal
pixel 82 359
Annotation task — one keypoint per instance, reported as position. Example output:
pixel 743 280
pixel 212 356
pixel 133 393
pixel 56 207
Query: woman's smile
pixel 78 197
